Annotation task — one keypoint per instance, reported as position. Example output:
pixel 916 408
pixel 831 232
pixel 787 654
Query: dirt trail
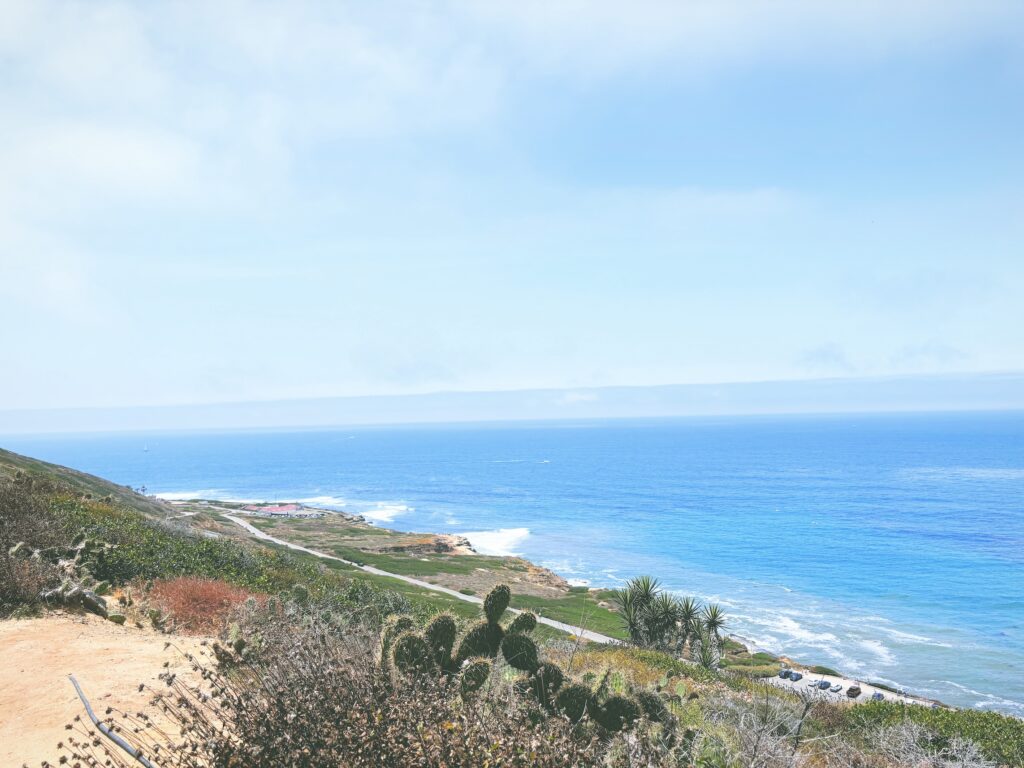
pixel 109 662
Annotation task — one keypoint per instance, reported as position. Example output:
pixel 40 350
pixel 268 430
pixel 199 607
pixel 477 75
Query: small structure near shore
pixel 282 510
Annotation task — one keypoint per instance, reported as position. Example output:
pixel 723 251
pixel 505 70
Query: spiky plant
pixel 631 613
pixel 572 701
pixel 482 639
pixel 663 619
pixel 706 649
pixel 689 617
pixel 474 676
pixel 523 622
pixel 616 712
pixel 412 655
pixel 653 706
pixel 714 620
pixel 440 635
pixel 394 626
pixel 644 588
pixel 546 681
pixel 496 602
pixel 520 652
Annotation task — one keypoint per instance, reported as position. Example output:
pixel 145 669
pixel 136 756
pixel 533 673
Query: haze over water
pixel 888 546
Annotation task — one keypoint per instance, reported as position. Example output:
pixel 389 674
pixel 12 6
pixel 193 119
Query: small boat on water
pixel 853 691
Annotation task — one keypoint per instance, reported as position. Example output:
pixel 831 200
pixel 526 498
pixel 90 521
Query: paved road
pixel 586 634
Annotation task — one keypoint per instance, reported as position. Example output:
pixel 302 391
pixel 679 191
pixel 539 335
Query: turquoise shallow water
pixel 890 547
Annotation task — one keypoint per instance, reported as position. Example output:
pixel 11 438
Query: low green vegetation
pixel 820 670
pixel 376 671
pixel 999 737
pixel 578 609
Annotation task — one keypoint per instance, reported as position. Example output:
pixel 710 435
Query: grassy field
pixel 580 610
pixel 470 574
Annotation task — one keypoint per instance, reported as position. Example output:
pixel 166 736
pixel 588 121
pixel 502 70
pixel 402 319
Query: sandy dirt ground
pixel 109 662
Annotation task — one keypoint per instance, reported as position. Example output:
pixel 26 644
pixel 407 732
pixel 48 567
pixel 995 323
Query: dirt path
pixel 586 634
pixel 109 662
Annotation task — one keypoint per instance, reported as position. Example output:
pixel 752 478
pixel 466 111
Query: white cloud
pixel 598 36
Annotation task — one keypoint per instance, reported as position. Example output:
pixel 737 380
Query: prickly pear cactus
pixel 483 639
pixel 412 655
pixel 440 635
pixel 474 676
pixel 496 602
pixel 520 652
pixel 572 701
pixel 616 712
pixel 524 622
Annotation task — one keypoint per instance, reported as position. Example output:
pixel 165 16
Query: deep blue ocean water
pixel 888 546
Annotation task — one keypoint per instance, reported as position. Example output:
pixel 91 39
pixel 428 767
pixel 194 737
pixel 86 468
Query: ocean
pixel 890 547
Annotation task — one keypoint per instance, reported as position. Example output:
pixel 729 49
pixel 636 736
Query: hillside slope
pixel 11 463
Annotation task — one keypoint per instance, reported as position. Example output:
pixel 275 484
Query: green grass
pixel 419 565
pixel 755 660
pixel 1001 738
pixel 575 609
pixel 883 686
pixel 818 669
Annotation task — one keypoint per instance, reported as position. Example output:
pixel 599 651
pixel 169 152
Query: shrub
pixel 999 737
pixel 21 582
pixel 24 519
pixel 322 705
pixel 197 605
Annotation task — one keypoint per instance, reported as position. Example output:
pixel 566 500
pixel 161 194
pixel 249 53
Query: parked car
pixel 837 688
pixel 785 673
pixel 824 684
pixel 878 696
pixel 853 691
pixel 794 676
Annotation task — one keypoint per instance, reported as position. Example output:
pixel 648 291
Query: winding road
pixel 586 634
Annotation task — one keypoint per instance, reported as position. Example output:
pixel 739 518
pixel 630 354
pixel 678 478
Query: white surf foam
pixel 385 513
pixel 909 637
pixel 988 699
pixel 503 541
pixel 878 649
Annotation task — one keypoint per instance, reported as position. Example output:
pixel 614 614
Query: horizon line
pixel 526 390
pixel 921 393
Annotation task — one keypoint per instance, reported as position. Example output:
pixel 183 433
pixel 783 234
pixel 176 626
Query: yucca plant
pixel 654 618
pixel 714 620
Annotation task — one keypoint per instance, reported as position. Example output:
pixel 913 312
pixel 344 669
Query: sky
pixel 233 201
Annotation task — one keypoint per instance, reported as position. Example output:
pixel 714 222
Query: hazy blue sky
pixel 232 201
